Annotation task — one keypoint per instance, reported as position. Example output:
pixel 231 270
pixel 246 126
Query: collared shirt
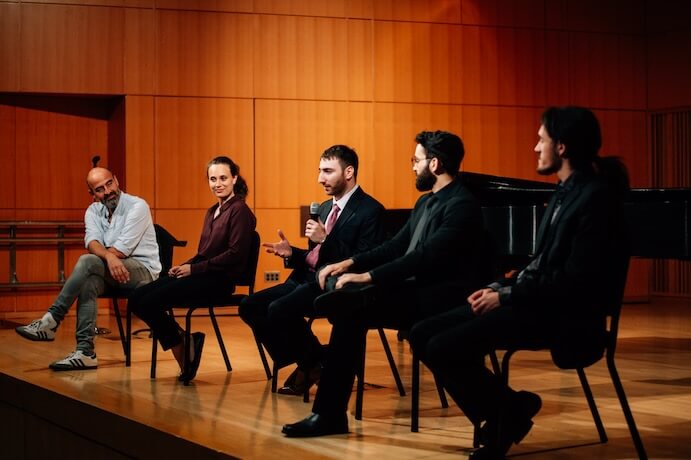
pixel 130 230
pixel 224 245
pixel 341 203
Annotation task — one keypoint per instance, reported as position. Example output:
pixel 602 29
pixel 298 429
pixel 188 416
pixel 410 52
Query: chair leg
pixel 505 365
pixel 262 355
pixel 476 435
pixel 415 397
pixel 392 363
pixel 628 415
pixel 219 337
pixel 154 352
pixel 591 404
pixel 442 394
pixel 128 333
pixel 495 362
pixel 274 379
pixel 123 338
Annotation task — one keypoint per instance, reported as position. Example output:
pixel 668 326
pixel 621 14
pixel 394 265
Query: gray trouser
pixel 89 279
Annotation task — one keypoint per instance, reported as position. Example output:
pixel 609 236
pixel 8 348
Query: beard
pixel 548 170
pixel 552 167
pixel 111 201
pixel 425 181
pixel 338 187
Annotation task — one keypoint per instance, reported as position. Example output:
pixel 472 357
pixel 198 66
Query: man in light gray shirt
pixel 123 252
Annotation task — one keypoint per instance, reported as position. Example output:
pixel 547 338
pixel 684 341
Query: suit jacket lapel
pixel 544 223
pixel 566 204
pixel 349 210
pixel 569 200
pixel 325 211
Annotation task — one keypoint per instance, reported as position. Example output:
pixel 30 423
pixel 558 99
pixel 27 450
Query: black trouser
pixel 277 317
pixel 152 301
pixel 393 308
pixel 454 344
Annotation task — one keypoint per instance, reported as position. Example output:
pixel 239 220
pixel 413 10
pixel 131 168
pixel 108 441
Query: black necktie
pixel 421 224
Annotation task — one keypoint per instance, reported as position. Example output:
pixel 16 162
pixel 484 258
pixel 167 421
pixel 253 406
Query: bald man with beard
pixel 123 253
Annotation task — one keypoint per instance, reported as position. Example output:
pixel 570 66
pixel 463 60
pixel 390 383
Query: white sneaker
pixel 76 360
pixel 41 330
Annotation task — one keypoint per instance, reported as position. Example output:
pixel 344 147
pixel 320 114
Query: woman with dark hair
pixel 223 254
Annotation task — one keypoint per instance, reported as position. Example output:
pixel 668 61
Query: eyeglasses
pixel 415 160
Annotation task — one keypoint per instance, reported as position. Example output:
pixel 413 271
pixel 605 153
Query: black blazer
pixel 581 271
pixel 449 262
pixel 359 228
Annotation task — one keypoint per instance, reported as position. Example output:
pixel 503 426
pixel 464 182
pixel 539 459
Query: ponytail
pixel 240 188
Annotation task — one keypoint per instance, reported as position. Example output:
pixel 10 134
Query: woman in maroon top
pixel 223 253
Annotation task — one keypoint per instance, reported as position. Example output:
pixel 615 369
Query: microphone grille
pixel 314 208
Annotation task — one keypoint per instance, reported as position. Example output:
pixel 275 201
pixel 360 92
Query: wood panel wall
pixel 272 83
pixel 671 167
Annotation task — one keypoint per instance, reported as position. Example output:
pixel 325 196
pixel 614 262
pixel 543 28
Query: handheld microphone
pixel 95 159
pixel 314 211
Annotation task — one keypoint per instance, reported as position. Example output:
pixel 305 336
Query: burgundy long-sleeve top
pixel 224 245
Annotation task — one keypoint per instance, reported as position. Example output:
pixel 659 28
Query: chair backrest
pixel 248 277
pixel 614 308
pixel 166 243
pixel 582 342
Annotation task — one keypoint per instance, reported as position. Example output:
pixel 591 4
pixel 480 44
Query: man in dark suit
pixel 558 301
pixel 348 223
pixel 432 262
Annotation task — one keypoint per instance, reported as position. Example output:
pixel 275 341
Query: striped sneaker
pixel 41 330
pixel 75 361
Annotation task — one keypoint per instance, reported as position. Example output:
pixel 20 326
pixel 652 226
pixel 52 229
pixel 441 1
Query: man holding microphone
pixel 348 223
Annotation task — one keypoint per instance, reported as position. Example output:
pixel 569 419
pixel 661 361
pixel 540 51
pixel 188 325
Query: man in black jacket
pixel 349 223
pixel 432 262
pixel 559 301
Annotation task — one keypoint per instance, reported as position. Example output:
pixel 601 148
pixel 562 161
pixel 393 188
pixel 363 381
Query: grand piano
pixel 659 219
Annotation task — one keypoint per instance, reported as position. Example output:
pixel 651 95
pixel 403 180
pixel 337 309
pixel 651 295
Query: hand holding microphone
pixel 314 229
pixel 314 211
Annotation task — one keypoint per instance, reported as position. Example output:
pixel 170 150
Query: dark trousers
pixel 152 301
pixel 394 308
pixel 454 344
pixel 277 317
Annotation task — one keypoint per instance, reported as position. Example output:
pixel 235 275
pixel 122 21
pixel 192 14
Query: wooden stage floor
pixel 119 412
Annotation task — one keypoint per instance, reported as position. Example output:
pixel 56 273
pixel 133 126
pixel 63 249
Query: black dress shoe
pixel 350 298
pixel 302 381
pixel 190 372
pixel 317 425
pixel 515 424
